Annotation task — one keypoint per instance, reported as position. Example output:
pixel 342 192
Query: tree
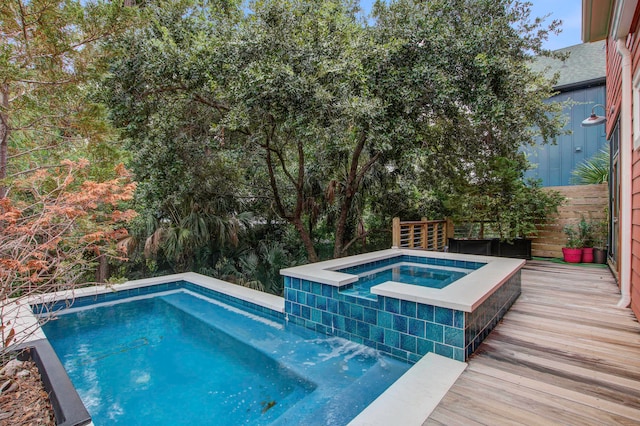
pixel 502 204
pixel 192 193
pixel 300 93
pixel 49 54
pixel 464 78
pixel 323 112
pixel 59 213
pixel 53 235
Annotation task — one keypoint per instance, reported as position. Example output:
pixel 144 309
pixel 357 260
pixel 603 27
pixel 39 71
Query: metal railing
pixel 423 234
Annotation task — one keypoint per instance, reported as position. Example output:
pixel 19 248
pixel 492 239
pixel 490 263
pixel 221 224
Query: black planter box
pixel 65 401
pixel 519 248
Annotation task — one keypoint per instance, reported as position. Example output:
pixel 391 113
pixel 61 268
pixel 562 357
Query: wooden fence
pixel 588 201
pixel 422 234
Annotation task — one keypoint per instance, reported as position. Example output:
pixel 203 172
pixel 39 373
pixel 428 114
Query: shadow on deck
pixel 563 354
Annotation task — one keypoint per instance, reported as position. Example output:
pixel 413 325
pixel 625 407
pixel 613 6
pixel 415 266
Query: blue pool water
pixel 179 358
pixel 434 276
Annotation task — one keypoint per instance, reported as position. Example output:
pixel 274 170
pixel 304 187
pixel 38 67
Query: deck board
pixel 564 354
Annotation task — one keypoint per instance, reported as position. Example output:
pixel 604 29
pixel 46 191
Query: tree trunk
pixel 350 189
pixel 102 273
pixel 341 225
pixel 4 136
pixel 295 217
pixel 312 255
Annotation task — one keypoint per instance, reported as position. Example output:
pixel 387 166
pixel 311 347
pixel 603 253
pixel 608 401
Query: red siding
pixel 633 43
pixel 614 85
pixel 635 298
pixel 614 71
pixel 614 99
pixel 635 237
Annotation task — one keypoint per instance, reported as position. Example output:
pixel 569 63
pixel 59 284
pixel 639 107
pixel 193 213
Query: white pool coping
pixel 260 298
pixel 465 294
pixel 20 318
pixel 26 326
pixel 414 396
pixel 408 401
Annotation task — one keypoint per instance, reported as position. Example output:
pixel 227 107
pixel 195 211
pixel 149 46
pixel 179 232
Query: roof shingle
pixel 586 64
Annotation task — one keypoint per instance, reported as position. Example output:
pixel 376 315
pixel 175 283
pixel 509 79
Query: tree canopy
pixel 63 187
pixel 49 59
pixel 303 112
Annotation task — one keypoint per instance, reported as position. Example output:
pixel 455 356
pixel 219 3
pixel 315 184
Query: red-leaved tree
pixel 53 229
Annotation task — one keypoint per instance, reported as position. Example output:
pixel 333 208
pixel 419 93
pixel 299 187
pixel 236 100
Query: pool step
pixel 346 400
pixel 413 396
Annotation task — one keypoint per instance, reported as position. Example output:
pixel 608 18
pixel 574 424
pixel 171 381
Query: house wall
pixel 614 100
pixel 614 85
pixel 633 43
pixel 635 236
pixel 553 163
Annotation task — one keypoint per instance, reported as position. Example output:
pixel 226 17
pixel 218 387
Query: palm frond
pixel 593 170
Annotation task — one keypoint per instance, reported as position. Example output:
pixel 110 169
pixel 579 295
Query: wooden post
pixel 435 233
pixel 449 231
pixel 412 232
pixel 395 232
pixel 425 233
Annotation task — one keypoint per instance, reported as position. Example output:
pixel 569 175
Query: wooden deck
pixel 564 354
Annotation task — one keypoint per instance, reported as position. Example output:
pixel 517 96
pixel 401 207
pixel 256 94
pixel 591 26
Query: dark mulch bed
pixel 23 399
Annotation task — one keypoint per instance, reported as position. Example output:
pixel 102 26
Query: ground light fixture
pixel 593 119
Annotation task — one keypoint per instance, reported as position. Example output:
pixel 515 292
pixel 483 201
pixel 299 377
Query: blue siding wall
pixel 553 163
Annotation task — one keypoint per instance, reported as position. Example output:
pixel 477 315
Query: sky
pixel 569 11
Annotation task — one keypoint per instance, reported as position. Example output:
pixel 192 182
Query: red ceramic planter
pixel 572 255
pixel 587 255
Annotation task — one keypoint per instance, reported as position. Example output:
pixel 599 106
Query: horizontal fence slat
pixel 590 201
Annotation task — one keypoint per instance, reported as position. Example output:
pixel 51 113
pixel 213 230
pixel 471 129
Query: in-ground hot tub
pixel 405 320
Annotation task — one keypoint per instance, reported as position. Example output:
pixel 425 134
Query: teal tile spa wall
pixel 403 329
pixel 480 322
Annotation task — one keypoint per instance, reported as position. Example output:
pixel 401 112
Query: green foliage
pixel 573 237
pixel 587 233
pixel 600 230
pixel 322 124
pixel 593 170
pixel 50 55
pixel 501 201
pixel 485 105
pixel 257 268
pixel 593 233
pixel 191 191
pixel 484 102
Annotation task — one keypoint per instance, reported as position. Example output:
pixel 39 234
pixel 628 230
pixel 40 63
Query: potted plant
pixel 585 231
pixel 600 235
pixel 572 252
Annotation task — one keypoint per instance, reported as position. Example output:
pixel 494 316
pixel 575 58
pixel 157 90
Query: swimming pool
pixel 179 357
